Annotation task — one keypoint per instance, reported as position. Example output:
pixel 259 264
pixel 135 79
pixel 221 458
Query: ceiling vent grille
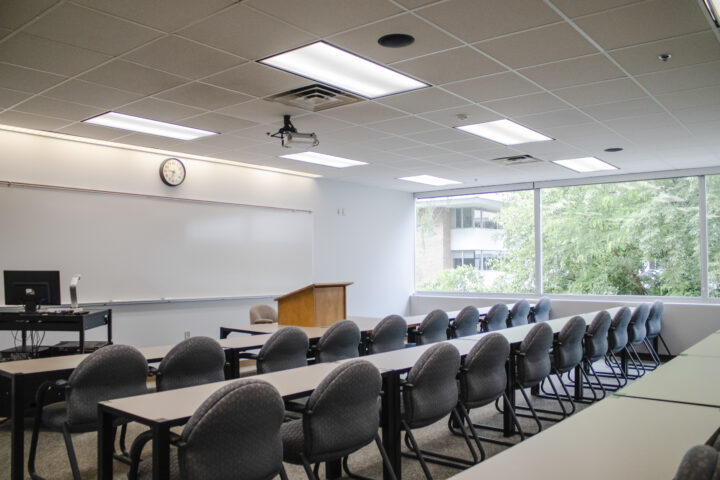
pixel 516 160
pixel 315 98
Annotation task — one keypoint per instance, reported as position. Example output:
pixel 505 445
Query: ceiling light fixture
pixel 322 159
pixel 429 180
pixel 585 164
pixel 145 125
pixel 505 132
pixel 290 137
pixel 713 7
pixel 327 64
pixel 614 149
pixel 396 40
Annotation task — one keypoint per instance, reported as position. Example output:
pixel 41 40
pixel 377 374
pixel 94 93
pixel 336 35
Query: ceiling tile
pixel 151 141
pixel 245 32
pixel 260 111
pixel 465 115
pixel 571 133
pixel 42 54
pixel 325 17
pixel 364 40
pixel 4 32
pixel 8 97
pixel 350 135
pixel 496 17
pixel 15 14
pixel 470 144
pixel 216 122
pixel 701 114
pixel 85 28
pixel 627 108
pixel 687 50
pixel 362 113
pixel 51 107
pixel 449 66
pixel 541 45
pixel 159 110
pixel 28 120
pixel 415 3
pixel 601 92
pixel 132 77
pixel 557 118
pixel 183 57
pixel 695 76
pixel 88 130
pixel 577 8
pixel 314 122
pixel 403 126
pixel 25 79
pixel 224 142
pixel 258 80
pixel 647 122
pixel 425 100
pixel 391 143
pixel 422 151
pixel 166 15
pixel 440 137
pixel 643 22
pixel 578 71
pixel 492 87
pixel 203 96
pixel 92 94
pixel 526 104
pixel 691 98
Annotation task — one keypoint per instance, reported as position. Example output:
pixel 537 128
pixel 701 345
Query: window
pixel 633 238
pixel 712 186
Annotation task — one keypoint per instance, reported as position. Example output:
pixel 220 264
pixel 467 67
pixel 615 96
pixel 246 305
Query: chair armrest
pixel 250 355
pixel 136 452
pixel 153 371
pixel 45 387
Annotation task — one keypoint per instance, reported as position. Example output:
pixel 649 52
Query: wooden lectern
pixel 317 305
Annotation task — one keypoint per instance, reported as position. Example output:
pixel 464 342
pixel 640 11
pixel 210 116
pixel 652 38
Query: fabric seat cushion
pixel 293 440
pixel 55 415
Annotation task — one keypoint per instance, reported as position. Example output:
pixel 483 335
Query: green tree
pixel 465 278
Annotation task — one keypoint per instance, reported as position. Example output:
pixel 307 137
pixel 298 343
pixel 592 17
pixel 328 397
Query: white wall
pixel 371 244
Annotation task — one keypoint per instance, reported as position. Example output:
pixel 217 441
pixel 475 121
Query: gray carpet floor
pixel 53 464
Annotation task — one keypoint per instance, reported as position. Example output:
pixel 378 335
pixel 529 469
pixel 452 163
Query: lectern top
pixel 315 285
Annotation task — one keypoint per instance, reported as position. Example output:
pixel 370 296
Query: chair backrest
pixel 194 361
pixel 286 348
pixel 654 320
pixel 430 391
pixel 596 337
pixel 466 322
pixel 339 342
pixel 541 310
pixel 433 328
pixel 342 413
pixel 519 314
pixel 701 462
pixel 261 313
pixel 483 377
pixel 533 363
pixel 388 335
pixel 496 318
pixel 637 329
pixel 618 335
pixel 223 437
pixel 113 371
pixel 567 349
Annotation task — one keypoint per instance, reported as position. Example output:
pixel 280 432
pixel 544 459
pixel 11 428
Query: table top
pixel 176 406
pixel 624 438
pixel 404 358
pixel 687 379
pixel 259 328
pixel 707 347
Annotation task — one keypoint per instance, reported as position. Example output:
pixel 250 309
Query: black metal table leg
pixel 17 446
pixel 508 424
pixel 224 332
pixel 161 452
pixel 391 423
pixel 232 364
pixel 106 440
pixel 333 469
pixel 579 393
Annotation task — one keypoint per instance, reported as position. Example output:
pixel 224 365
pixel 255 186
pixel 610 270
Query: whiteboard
pixel 137 248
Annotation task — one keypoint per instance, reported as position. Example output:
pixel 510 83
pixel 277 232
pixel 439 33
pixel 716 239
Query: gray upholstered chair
pixel 466 322
pixel 388 335
pixel 617 342
pixel 496 318
pixel 595 347
pixel 341 341
pixel 519 314
pixel 433 328
pixel 482 380
pixel 235 433
pixel 541 311
pixel 261 313
pixel 113 371
pixel 701 462
pixel 637 331
pixel 287 348
pixel 341 416
pixel 429 394
pixel 654 329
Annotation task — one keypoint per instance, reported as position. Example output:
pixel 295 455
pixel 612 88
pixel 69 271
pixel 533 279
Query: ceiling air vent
pixel 516 160
pixel 315 98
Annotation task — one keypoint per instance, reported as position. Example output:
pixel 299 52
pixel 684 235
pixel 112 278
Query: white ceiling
pixel 584 72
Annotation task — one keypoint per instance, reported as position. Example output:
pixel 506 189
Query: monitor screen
pixel 32 288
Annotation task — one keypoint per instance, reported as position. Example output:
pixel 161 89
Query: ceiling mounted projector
pixel 291 138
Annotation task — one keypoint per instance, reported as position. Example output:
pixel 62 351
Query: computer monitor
pixel 32 288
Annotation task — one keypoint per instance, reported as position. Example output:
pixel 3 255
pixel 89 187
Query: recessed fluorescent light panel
pixel 429 180
pixel 330 65
pixel 145 125
pixel 322 159
pixel 505 132
pixel 713 6
pixel 585 164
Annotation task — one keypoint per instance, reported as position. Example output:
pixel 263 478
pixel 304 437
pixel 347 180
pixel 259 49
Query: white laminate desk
pixel 618 438
pixel 707 347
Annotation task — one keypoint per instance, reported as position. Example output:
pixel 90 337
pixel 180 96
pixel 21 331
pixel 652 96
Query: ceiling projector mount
pixel 291 138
